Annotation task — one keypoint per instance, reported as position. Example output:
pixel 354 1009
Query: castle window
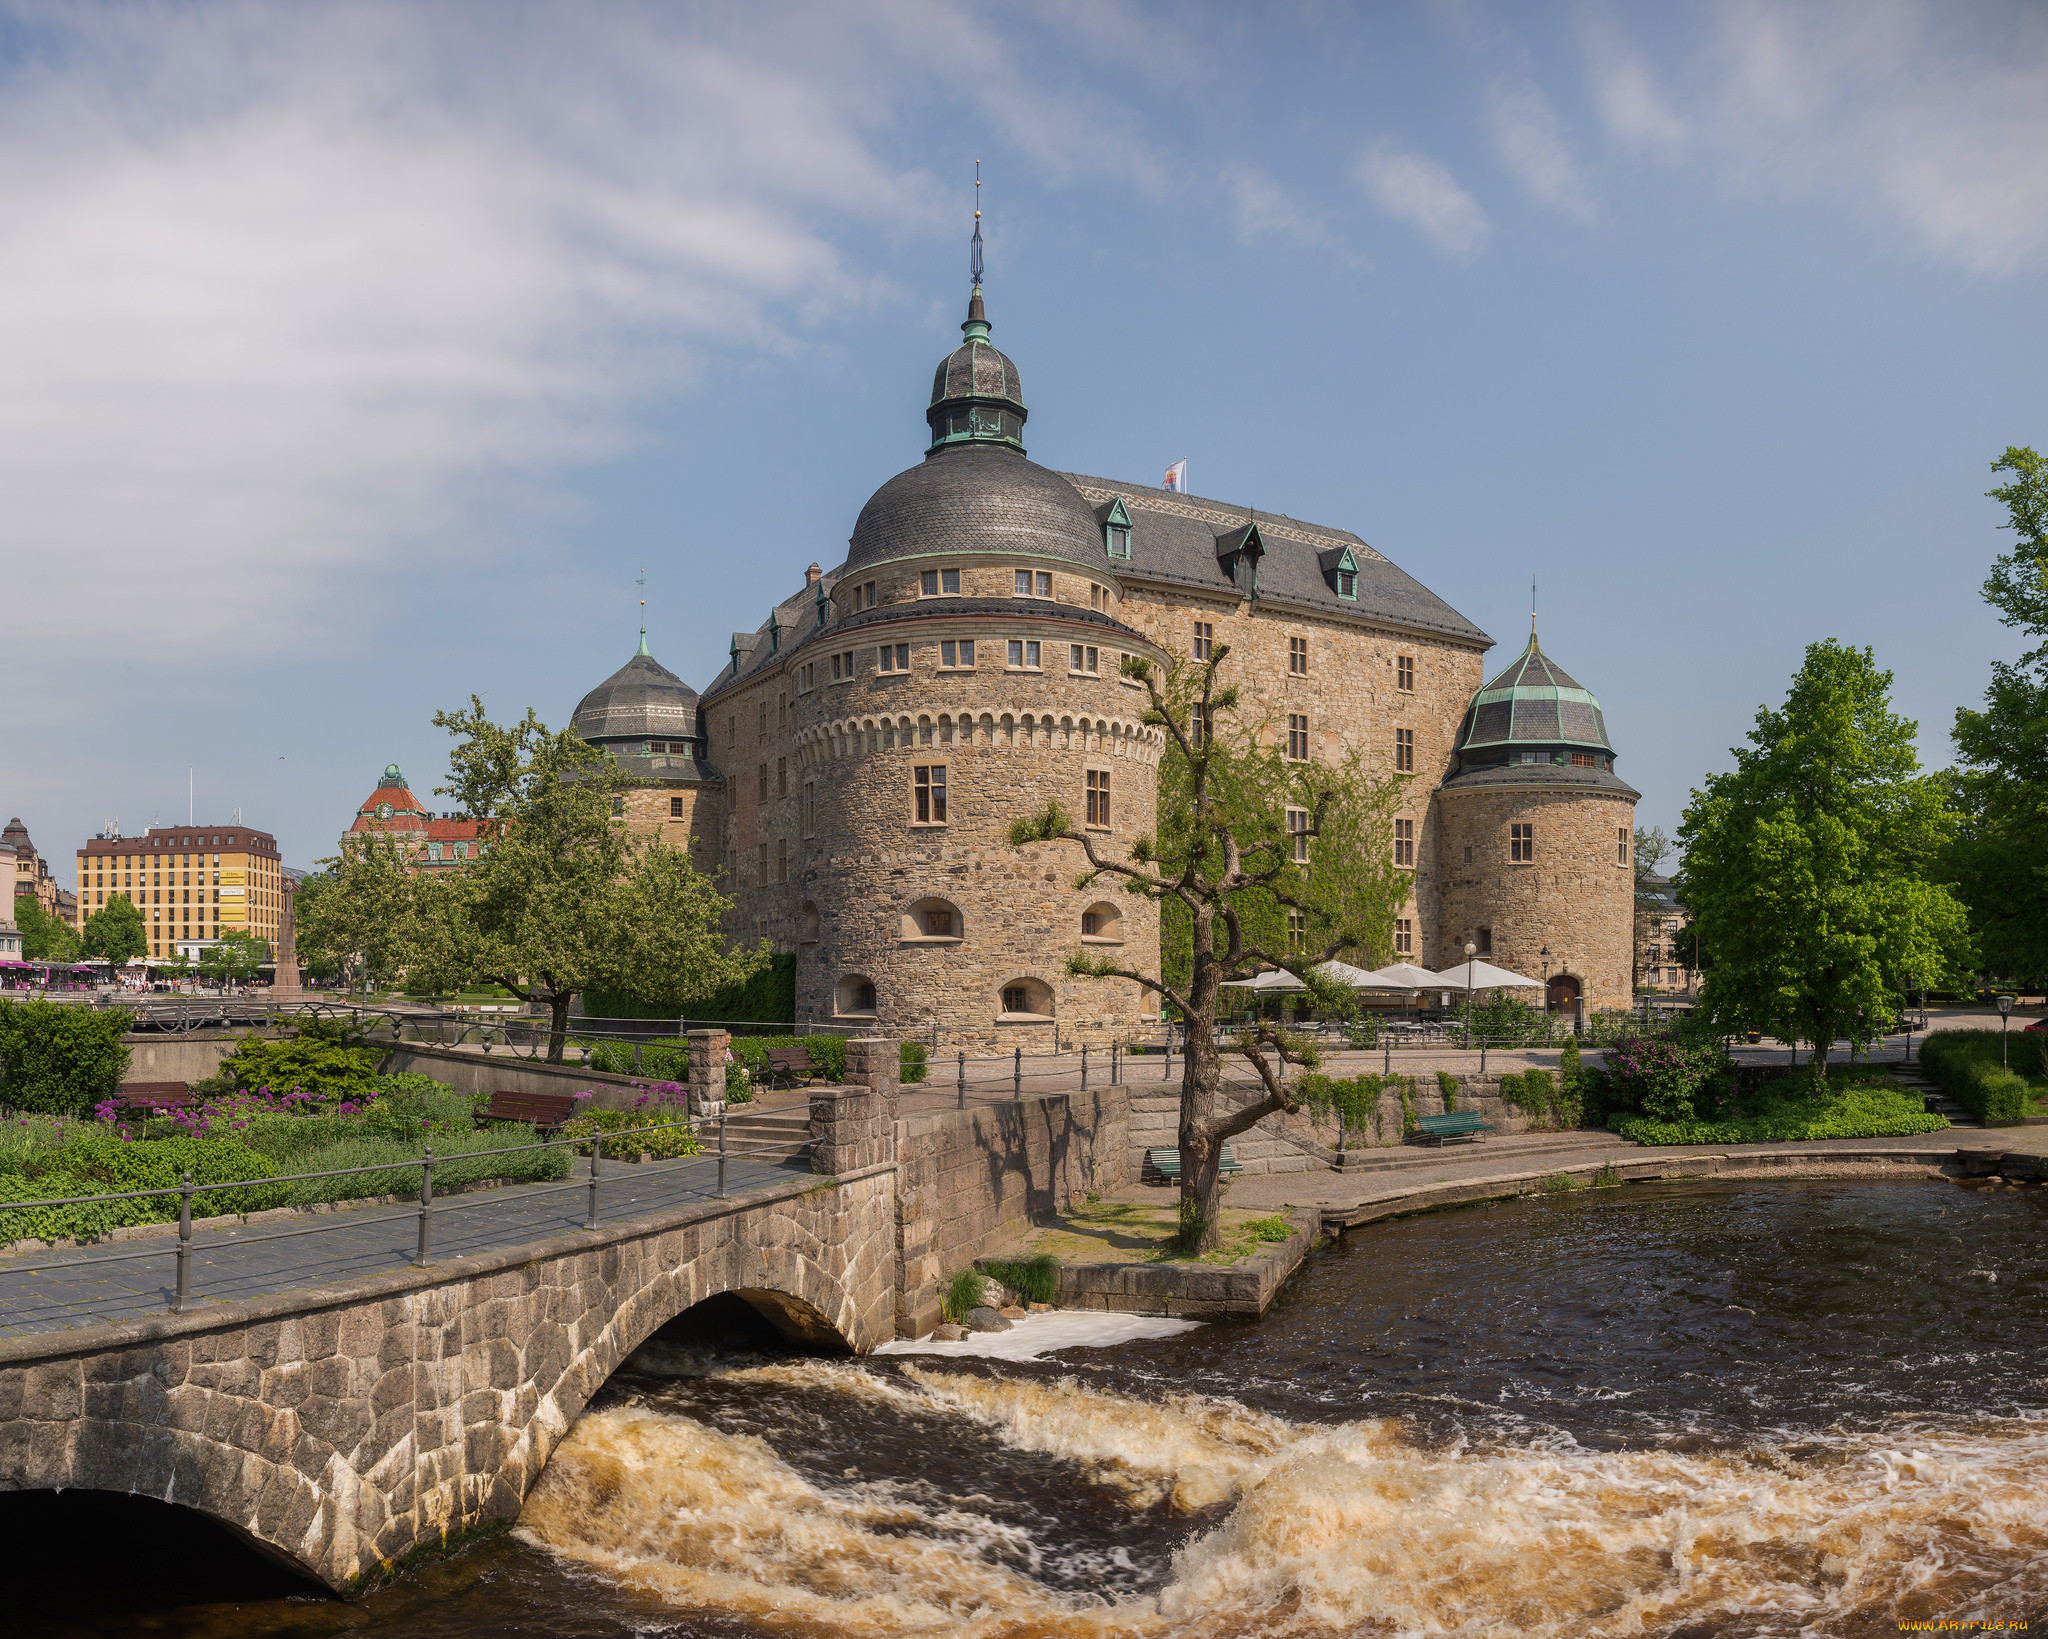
pixel 1201 724
pixel 782 776
pixel 761 717
pixel 1205 638
pixel 806 678
pixel 1522 844
pixel 808 921
pixel 864 596
pixel 893 657
pixel 1024 653
pixel 1297 737
pixel 928 583
pixel 761 795
pixel 928 793
pixel 853 995
pixel 1027 999
pixel 1404 673
pixel 1297 828
pixel 1081 657
pixel 1297 657
pixel 932 919
pixel 1404 751
pixel 1582 759
pixel 1484 940
pixel 1297 930
pixel 618 805
pixel 1098 599
pixel 1404 936
pixel 1098 798
pixel 1102 924
pixel 761 865
pixel 675 807
pixel 1347 583
pixel 1034 585
pixel 958 653
pixel 1621 845
pixel 782 710
pixel 1404 842
pixel 782 859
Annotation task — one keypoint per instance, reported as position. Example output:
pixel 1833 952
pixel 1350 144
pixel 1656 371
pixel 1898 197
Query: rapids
pixel 1681 1409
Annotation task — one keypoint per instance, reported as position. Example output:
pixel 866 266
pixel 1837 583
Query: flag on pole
pixel 1177 478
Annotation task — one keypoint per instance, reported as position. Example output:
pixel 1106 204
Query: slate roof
pixel 1535 702
pixel 976 498
pixel 642 698
pixel 1177 540
pixel 1544 774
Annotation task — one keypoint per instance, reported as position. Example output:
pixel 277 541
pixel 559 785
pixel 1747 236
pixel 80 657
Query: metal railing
pixel 423 1212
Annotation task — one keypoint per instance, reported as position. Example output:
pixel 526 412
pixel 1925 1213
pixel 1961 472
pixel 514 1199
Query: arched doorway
pixel 1561 994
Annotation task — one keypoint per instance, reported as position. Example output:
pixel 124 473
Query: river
pixel 1682 1409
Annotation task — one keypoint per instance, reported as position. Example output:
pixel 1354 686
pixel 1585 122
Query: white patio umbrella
pixel 1484 976
pixel 1344 973
pixel 1277 979
pixel 1402 976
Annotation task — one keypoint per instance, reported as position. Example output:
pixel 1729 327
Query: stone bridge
pixel 340 1428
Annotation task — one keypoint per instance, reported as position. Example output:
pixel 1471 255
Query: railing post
pixel 1166 1064
pixel 721 1155
pixel 636 1058
pixel 1017 1071
pixel 1084 1067
pixel 1386 1055
pixel 596 1145
pixel 963 1077
pixel 1482 1055
pixel 1115 1063
pixel 426 1243
pixel 184 1285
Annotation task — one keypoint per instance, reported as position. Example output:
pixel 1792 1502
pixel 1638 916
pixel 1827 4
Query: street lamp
pixel 1471 950
pixel 2004 1018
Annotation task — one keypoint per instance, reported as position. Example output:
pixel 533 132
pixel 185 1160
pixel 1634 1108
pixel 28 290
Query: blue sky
pixel 360 357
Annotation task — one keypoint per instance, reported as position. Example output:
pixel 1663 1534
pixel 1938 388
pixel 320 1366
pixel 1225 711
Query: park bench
pixel 545 1110
pixel 1166 1163
pixel 789 1064
pixel 1458 1124
pixel 139 1097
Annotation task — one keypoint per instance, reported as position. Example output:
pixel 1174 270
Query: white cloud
pixel 1262 211
pixel 1531 139
pixel 1416 189
pixel 1933 116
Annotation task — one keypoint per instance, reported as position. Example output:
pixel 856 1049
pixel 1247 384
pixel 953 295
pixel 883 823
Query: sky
pixel 356 359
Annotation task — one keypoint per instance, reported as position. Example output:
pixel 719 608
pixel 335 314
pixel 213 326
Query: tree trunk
pixel 1201 1089
pixel 558 1024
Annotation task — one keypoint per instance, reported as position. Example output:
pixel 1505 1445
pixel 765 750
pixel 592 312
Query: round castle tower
pixel 1536 839
pixel 969 675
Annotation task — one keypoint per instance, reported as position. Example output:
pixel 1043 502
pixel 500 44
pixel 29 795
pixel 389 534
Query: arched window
pixel 1102 924
pixel 1026 1000
pixel 932 921
pixel 809 923
pixel 854 996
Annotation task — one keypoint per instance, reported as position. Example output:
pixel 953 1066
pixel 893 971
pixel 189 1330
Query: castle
pixel 853 770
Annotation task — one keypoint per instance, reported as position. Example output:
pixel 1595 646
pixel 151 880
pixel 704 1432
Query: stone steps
pixel 764 1134
pixel 1543 1146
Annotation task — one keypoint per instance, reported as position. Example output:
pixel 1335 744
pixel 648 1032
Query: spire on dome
pixel 642 584
pixel 974 258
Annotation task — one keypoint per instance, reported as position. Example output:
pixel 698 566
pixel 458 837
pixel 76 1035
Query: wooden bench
pixel 791 1064
pixel 1166 1163
pixel 139 1097
pixel 1458 1124
pixel 545 1110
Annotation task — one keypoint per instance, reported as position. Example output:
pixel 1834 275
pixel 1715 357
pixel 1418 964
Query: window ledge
pixel 869 1017
pixel 928 825
pixel 1034 671
pixel 954 671
pixel 930 938
pixel 1024 1018
pixel 1099 939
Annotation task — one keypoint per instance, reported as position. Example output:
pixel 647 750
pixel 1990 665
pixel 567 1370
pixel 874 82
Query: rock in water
pixel 1010 1311
pixel 984 1319
pixel 947 1332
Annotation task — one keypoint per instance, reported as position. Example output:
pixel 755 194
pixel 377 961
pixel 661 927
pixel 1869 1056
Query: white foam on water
pixel 1036 1336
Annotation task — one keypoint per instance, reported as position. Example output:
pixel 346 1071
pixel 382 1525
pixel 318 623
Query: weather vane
pixel 641 582
pixel 1532 605
pixel 977 224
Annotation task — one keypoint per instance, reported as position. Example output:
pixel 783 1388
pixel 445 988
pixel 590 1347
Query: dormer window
pixel 1116 530
pixel 1340 572
pixel 1119 540
pixel 1347 583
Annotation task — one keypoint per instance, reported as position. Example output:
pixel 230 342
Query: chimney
pixel 813 575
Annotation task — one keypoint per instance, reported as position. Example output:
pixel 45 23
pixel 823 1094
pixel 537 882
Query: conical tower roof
pixel 1534 704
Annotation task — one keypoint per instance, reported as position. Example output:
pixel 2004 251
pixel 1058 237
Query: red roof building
pixel 432 842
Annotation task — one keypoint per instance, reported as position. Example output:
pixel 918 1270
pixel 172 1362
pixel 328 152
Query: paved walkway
pixel 292 1252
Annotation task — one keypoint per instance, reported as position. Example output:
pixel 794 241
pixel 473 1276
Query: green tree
pixel 44 938
pixel 1997 861
pixel 237 956
pixel 61 1060
pixel 563 898
pixel 1805 867
pixel 115 932
pixel 354 920
pixel 1272 864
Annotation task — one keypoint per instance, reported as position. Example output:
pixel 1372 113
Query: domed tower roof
pixel 977 395
pixel 392 806
pixel 1533 720
pixel 642 698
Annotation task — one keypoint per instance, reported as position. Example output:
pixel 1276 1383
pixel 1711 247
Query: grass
pixel 1141 1232
pixel 968 1290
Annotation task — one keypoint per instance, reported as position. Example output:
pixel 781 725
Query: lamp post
pixel 1471 950
pixel 2004 1018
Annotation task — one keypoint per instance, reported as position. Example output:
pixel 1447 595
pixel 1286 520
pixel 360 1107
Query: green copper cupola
pixel 977 397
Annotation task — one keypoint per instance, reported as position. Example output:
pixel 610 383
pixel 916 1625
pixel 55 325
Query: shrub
pixel 1355 1101
pixel 666 1059
pixel 54 1223
pixel 1447 1084
pixel 459 1158
pixel 1035 1279
pixel 653 1129
pixel 314 1062
pixel 1790 1107
pixel 60 1060
pixel 1275 1228
pixel 967 1291
pixel 913 1069
pixel 1964 1064
pixel 93 1161
pixel 739 1085
pixel 827 1053
pixel 1663 1080
pixel 1531 1091
pixel 769 997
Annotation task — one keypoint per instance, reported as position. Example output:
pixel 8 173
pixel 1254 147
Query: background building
pixel 32 878
pixel 190 882
pixel 1663 955
pixel 878 732
pixel 432 842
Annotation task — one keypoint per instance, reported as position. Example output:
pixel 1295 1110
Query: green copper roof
pixel 977 396
pixel 1534 703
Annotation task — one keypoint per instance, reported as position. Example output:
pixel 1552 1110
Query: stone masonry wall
pixel 1577 896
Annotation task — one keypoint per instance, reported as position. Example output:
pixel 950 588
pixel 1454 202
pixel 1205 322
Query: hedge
pixel 60 1060
pixel 767 998
pixel 1964 1065
pixel 1874 1110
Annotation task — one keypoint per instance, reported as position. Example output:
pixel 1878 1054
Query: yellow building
pixel 189 882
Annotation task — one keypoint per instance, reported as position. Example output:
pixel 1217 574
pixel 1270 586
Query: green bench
pixel 1166 1163
pixel 1458 1124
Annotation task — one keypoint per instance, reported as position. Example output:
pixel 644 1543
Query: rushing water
pixel 1683 1409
